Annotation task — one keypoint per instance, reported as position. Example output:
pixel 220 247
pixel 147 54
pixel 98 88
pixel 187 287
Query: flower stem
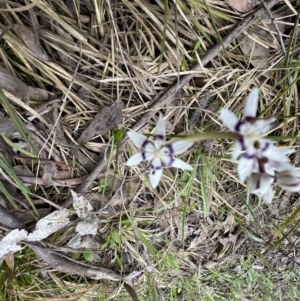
pixel 211 135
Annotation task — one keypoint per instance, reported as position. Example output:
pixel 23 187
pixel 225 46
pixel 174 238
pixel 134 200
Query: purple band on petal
pixel 171 149
pixel 291 184
pixel 145 143
pixel 238 125
pixel 261 165
pixel 144 156
pixel 265 147
pixel 159 137
pixel 170 163
pixel 249 119
pixel 257 183
pixel 156 167
pixel 242 142
pixel 249 157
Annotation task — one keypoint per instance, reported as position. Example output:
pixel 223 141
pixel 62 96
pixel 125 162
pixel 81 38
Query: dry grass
pixel 206 238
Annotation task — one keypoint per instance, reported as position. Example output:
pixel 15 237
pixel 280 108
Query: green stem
pixel 211 135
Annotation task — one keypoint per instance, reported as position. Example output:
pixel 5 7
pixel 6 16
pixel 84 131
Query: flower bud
pixel 289 179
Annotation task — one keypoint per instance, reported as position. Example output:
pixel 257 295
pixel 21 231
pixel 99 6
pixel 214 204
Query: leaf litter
pixel 44 227
pixel 88 224
pixel 257 45
pixel 74 36
pixel 104 121
pixel 242 6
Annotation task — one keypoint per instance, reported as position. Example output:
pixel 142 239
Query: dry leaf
pixel 7 128
pixel 37 94
pixel 228 224
pixel 31 42
pixel 87 159
pixel 118 199
pixel 46 226
pixel 14 85
pixel 8 220
pixel 209 264
pixel 256 53
pixel 50 224
pixel 242 6
pixel 90 243
pixel 65 265
pixel 104 121
pixel 81 205
pixel 23 170
pixel 197 240
pixel 10 261
pixel 26 216
pixel 75 242
pixel 9 243
pixel 88 227
pixel 50 171
pixel 134 274
pixel 85 91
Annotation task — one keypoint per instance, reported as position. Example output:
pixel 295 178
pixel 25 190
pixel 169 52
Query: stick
pixel 263 3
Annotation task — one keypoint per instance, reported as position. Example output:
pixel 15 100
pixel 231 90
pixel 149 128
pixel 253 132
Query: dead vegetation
pixel 77 75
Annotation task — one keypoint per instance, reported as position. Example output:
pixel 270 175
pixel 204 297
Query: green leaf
pixel 250 235
pixel 7 195
pixel 15 146
pixel 146 242
pixel 118 134
pixel 89 255
pixel 76 255
pixel 7 168
pixel 21 128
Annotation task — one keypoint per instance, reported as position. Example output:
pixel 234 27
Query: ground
pixel 76 76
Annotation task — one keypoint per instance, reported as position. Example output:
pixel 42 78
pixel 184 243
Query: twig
pixel 46 182
pixel 263 3
pixel 166 96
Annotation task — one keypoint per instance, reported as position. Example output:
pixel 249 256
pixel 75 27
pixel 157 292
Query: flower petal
pixel 268 196
pixel 177 163
pixel 139 140
pixel 155 172
pixel 288 151
pixel 280 166
pixel 265 183
pixel 289 179
pixel 159 132
pixel 245 167
pixel 177 147
pixel 249 146
pixel 237 149
pixel 139 158
pixel 261 127
pixel 274 153
pixel 251 104
pixel 229 119
pixel 267 168
pixel 261 185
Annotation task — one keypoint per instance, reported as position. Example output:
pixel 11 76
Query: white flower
pixel 255 149
pixel 155 152
pixel 261 184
